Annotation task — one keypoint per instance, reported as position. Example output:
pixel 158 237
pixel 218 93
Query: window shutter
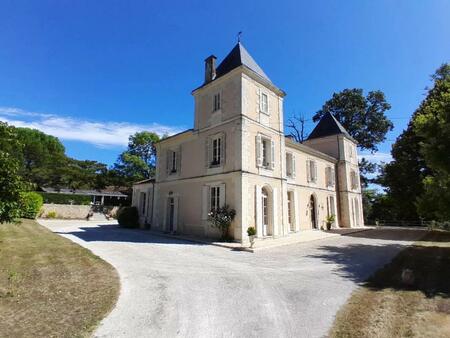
pixel 268 105
pixel 259 155
pixel 222 196
pixel 258 100
pixel 272 154
pixel 333 177
pixel 222 149
pixel 168 162
pixel 293 166
pixel 178 160
pixel 207 152
pixel 315 171
pixel 205 201
pixel 308 170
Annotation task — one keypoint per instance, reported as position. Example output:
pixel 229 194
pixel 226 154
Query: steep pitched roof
pixel 328 125
pixel 239 57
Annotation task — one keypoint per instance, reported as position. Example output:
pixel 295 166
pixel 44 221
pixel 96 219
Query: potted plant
pixel 251 232
pixel 329 220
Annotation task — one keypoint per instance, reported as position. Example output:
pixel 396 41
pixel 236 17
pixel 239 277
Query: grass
pixel 50 286
pixel 389 306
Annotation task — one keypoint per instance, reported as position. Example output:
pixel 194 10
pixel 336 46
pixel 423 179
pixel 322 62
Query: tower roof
pixel 328 125
pixel 239 57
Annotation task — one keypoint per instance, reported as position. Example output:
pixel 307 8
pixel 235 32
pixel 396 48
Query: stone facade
pixel 237 154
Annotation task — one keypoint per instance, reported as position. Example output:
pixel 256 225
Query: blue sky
pixel 93 72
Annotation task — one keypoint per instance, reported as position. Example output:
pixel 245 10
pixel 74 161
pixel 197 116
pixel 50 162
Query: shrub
pixel 51 214
pixel 30 205
pixel 221 219
pixel 128 217
pixel 65 198
pixel 251 231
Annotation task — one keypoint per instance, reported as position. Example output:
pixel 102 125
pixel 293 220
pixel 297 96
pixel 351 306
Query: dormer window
pixel 217 102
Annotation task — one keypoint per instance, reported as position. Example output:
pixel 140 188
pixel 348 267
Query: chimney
pixel 210 68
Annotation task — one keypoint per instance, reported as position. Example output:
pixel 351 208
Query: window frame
pixel 217 102
pixel 264 106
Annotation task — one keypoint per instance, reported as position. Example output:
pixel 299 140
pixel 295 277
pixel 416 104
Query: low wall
pixel 69 211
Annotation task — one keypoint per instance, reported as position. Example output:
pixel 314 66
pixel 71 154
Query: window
pixel 265 152
pixel 217 102
pixel 350 151
pixel 143 202
pixel 215 150
pixel 216 196
pixel 264 103
pixel 353 180
pixel 290 165
pixel 330 176
pixel 173 162
pixel 311 170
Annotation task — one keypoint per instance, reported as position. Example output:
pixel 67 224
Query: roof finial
pixel 239 36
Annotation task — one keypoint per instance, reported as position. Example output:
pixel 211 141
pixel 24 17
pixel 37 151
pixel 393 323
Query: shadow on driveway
pixel 113 233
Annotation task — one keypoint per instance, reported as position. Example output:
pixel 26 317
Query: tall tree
pixel 139 160
pixel 363 117
pixel 11 183
pixel 432 124
pixel 296 125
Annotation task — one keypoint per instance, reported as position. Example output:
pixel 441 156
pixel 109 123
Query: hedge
pixel 31 204
pixel 128 217
pixel 65 198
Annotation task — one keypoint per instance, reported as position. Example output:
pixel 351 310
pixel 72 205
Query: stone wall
pixel 67 211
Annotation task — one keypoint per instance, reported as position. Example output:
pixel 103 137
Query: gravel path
pixel 175 288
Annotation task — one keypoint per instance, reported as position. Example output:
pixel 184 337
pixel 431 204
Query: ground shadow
pixel 371 266
pixel 401 234
pixel 114 233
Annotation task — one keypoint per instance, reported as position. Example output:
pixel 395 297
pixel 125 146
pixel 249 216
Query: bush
pixel 51 214
pixel 221 219
pixel 128 217
pixel 30 204
pixel 65 198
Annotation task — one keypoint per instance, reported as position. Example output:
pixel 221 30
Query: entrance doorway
pixel 313 211
pixel 171 213
pixel 265 211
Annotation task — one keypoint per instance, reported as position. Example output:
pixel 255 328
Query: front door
pixel 265 212
pixel 171 209
pixel 312 210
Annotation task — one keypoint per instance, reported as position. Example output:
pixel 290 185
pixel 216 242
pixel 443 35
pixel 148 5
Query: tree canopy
pixel 139 160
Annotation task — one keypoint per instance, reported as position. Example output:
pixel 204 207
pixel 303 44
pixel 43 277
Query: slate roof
pixel 236 58
pixel 328 125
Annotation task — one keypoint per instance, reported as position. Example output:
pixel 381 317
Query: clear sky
pixel 93 72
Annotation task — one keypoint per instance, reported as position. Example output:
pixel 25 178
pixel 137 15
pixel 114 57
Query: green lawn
pixel 50 286
pixel 386 307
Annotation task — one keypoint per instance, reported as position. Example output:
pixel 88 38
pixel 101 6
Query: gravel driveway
pixel 176 288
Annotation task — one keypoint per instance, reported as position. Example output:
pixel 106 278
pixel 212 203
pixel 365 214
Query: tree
pixel 432 125
pixel 139 160
pixel 11 184
pixel 363 117
pixel 297 126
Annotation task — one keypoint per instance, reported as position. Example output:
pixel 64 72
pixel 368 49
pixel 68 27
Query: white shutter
pixel 222 196
pixel 222 149
pixel 333 177
pixel 258 211
pixel 168 162
pixel 272 153
pixel 258 100
pixel 268 105
pixel 207 153
pixel 259 155
pixel 178 160
pixel 293 166
pixel 205 201
pixel 315 171
pixel 308 170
